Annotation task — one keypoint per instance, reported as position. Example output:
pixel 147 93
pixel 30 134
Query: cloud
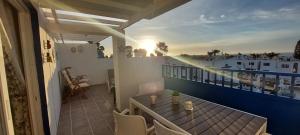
pixel 238 40
pixel 262 14
pixel 286 10
pixel 203 20
pixel 279 14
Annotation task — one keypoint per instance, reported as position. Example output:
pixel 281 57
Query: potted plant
pixel 175 97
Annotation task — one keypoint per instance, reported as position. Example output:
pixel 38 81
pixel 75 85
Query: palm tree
pixel 215 52
pixel 161 48
pixel 271 55
pixel 297 51
pixel 210 54
pixel 100 50
pixel 255 55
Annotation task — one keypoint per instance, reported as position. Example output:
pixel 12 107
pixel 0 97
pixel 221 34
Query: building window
pixel 251 63
pixel 239 63
pixel 285 66
pixel 266 64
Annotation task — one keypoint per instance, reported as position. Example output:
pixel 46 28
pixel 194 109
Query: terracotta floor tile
pixel 90 114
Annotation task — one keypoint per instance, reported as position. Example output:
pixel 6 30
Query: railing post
pixel 174 71
pixel 177 73
pixel 231 79
pixel 263 82
pixel 215 77
pixel 196 74
pixel 277 84
pixel 208 76
pixel 169 71
pixel 191 73
pixel 292 87
pixel 202 75
pixel 186 73
pixel 240 82
pixel 251 81
pixel 223 78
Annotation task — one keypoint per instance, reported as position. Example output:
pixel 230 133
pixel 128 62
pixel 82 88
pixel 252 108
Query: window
pixel 239 63
pixel 266 64
pixel 285 66
pixel 251 63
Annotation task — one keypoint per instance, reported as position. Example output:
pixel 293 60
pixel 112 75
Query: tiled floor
pixel 88 115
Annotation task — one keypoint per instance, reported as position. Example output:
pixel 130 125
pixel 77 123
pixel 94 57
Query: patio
pixel 67 34
pixel 88 115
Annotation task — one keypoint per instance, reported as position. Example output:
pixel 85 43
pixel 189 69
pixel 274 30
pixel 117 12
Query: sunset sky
pixel 232 26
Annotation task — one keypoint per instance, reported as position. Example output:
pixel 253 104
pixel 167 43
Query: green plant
pixel 175 93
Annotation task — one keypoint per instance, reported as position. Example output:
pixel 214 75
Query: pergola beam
pixel 76 29
pixel 54 15
pixel 154 10
pixel 71 17
pixel 79 7
pixel 115 4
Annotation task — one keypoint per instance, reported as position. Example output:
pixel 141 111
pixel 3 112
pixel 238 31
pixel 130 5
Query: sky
pixel 246 26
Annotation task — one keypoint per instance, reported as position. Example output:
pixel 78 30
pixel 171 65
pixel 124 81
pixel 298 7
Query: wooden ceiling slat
pixel 76 29
pixel 131 10
pixel 115 4
pixel 82 8
pixel 71 17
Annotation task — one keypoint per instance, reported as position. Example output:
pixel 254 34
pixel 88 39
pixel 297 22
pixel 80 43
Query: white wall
pixel 138 71
pixel 85 62
pixel 52 83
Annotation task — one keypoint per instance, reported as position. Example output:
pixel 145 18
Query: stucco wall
pixel 139 70
pixel 52 82
pixel 85 62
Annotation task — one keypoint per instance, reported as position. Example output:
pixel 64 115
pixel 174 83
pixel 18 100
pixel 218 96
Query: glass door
pixel 6 124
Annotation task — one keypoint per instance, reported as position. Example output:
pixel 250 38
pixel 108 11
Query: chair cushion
pixel 84 80
pixel 83 85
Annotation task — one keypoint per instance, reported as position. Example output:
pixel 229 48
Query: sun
pixel 149 45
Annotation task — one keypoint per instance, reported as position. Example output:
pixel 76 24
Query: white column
pixel 119 62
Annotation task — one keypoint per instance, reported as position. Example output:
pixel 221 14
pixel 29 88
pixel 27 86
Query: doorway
pixel 19 89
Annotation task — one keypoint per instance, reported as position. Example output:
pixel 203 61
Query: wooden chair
pixel 162 130
pixel 74 85
pixel 78 78
pixel 130 124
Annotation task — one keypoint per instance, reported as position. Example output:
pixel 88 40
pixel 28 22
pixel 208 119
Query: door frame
pixel 30 69
pixel 5 112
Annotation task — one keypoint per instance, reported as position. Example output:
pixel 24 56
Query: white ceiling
pixel 95 20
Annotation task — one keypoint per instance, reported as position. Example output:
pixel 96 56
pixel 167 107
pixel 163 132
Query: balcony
pixel 225 87
pixel 61 34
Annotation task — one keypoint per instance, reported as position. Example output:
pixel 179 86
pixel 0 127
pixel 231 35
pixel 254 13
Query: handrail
pixel 255 81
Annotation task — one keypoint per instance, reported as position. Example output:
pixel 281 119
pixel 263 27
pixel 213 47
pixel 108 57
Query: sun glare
pixel 149 45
